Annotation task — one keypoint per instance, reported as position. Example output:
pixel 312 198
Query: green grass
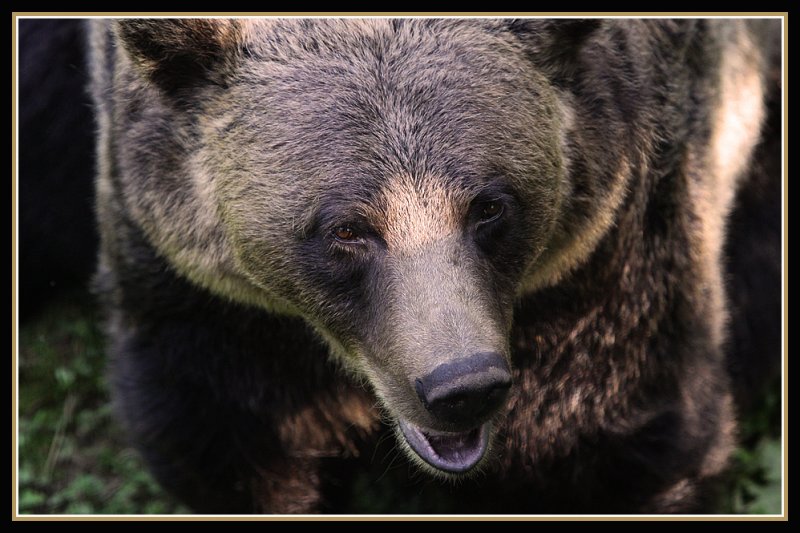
pixel 753 482
pixel 73 458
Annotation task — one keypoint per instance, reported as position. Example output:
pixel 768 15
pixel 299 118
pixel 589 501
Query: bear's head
pixel 396 183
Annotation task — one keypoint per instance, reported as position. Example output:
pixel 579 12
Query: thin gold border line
pixel 784 252
pixel 378 14
pixel 14 288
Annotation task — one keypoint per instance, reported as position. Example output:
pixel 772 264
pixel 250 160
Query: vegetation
pixel 73 458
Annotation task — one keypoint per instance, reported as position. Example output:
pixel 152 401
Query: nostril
pixel 498 390
pixel 420 388
pixel 466 391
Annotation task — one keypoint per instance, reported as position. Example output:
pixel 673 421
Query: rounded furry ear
pixel 555 44
pixel 180 53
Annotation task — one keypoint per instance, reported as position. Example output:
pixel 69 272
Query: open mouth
pixel 451 452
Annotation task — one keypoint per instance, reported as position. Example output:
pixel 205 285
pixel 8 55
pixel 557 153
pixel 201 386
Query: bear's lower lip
pixel 451 452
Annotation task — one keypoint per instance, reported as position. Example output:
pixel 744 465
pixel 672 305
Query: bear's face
pixel 391 183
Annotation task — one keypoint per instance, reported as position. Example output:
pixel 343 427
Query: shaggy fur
pixel 233 152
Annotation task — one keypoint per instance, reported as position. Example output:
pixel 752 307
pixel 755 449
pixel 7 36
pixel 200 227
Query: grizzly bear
pixel 469 265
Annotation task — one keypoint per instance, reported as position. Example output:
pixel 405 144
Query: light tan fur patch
pixel 574 249
pixel 736 131
pixel 417 213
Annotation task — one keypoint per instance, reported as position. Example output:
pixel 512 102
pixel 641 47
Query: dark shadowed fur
pixel 295 231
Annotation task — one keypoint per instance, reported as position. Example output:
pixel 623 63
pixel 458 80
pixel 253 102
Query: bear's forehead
pixel 282 39
pixel 409 96
pixel 380 58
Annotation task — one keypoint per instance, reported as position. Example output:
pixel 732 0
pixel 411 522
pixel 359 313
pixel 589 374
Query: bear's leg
pixel 199 442
pixel 180 429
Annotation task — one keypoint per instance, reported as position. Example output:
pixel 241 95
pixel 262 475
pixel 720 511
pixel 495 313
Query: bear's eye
pixel 345 234
pixel 489 211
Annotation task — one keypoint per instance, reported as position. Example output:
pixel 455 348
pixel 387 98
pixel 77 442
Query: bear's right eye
pixel 345 234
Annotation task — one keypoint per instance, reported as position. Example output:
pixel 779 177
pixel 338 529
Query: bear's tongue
pixel 451 452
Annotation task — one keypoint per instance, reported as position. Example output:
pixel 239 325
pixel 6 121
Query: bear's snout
pixel 466 392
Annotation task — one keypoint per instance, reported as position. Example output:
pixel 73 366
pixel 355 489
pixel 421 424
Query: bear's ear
pixel 179 53
pixel 554 45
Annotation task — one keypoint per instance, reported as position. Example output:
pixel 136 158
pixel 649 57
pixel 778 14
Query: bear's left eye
pixel 489 211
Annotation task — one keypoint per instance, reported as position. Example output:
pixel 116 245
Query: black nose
pixel 466 391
